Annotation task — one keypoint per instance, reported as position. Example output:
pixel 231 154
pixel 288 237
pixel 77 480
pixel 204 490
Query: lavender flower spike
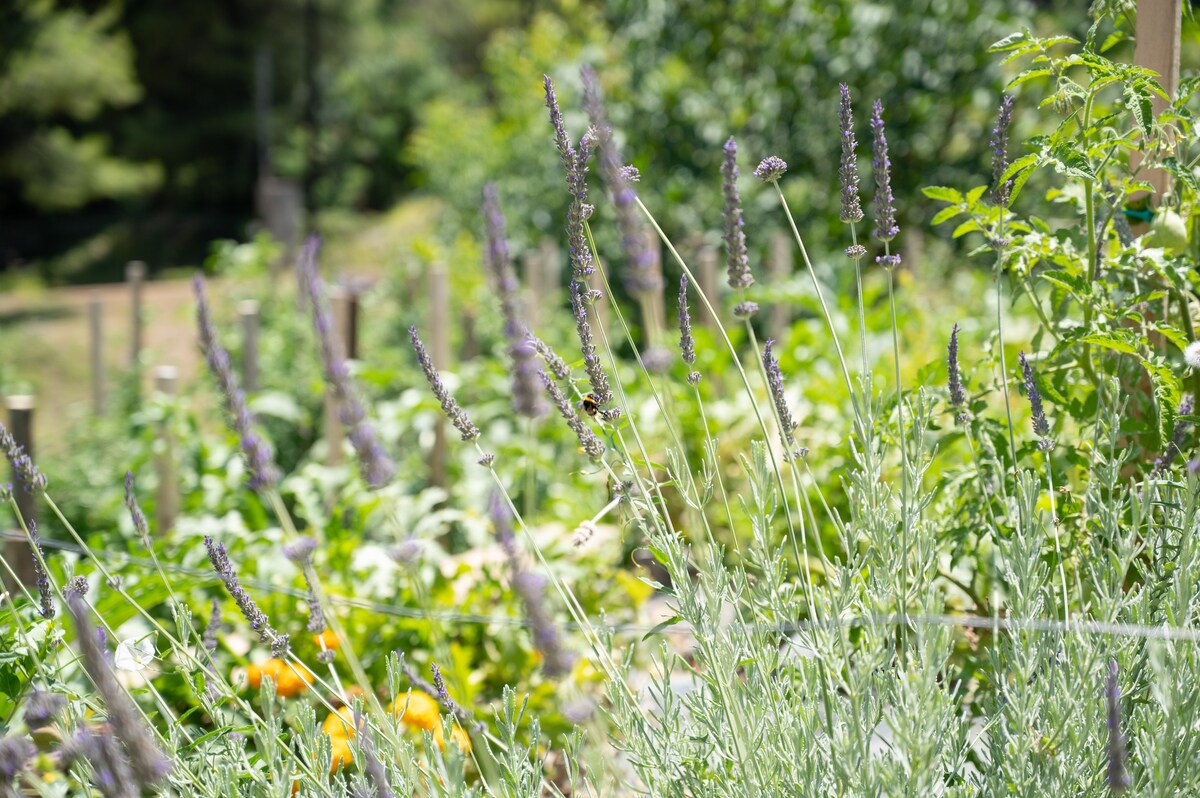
pixel 787 425
pixel 736 260
pixel 254 616
pixel 770 169
pixel 643 269
pixel 15 753
pixel 687 343
pixel 885 204
pixel 1118 778
pixel 135 511
pixel 300 552
pixel 457 416
pixel 259 462
pixel 146 762
pixel 557 366
pixel 1000 190
pixel 209 639
pixel 957 397
pixel 41 578
pixel 575 166
pixel 592 446
pixel 531 588
pixel 376 467
pixel 33 479
pixel 1041 427
pixel 587 345
pixel 527 399
pixel 848 171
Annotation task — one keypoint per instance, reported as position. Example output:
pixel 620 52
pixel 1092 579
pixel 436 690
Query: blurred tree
pixel 60 69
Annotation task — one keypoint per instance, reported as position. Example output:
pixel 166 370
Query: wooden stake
pixel 135 275
pixel 1158 30
pixel 20 426
pixel 706 273
pixel 166 505
pixel 248 313
pixel 779 320
pixel 95 332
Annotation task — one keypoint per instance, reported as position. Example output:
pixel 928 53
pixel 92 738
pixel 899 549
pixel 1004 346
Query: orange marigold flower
pixel 342 754
pixel 417 709
pixel 291 682
pixel 270 669
pixel 328 638
pixel 340 724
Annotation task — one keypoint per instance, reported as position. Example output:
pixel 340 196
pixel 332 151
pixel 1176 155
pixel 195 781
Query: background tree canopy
pixel 129 129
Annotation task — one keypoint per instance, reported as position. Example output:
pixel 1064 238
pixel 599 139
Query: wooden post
pixel 706 273
pixel 248 313
pixel 334 433
pixel 439 333
pixel 532 274
pixel 779 320
pixel 95 331
pixel 135 275
pixel 166 505
pixel 1158 31
pixel 20 426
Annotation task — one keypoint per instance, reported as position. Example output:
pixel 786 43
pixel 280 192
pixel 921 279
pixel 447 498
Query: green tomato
pixel 1168 230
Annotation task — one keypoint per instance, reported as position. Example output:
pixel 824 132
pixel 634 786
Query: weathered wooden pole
pixel 135 276
pixel 20 426
pixel 1158 30
pixel 335 435
pixel 96 347
pixel 439 334
pixel 166 505
pixel 779 266
pixel 248 313
pixel 706 274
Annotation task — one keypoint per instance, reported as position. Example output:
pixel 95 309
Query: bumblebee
pixel 590 405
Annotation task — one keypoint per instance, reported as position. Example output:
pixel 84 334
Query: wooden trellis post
pixel 248 313
pixel 95 333
pixel 1158 31
pixel 706 274
pixel 20 426
pixel 779 320
pixel 166 505
pixel 135 276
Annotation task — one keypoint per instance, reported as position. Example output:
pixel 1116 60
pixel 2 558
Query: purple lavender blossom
pixel 1041 427
pixel 263 473
pixel 41 707
pixel 147 763
pixel 33 479
pixel 300 552
pixel 687 343
pixel 597 377
pixel 15 754
pixel 592 446
pixel 557 366
pixel 456 414
pixel 787 425
pixel 254 616
pixel 848 171
pixel 630 174
pixel 885 203
pixel 643 270
pixel 140 525
pixel 209 640
pixel 736 260
pixel 888 261
pixel 75 588
pixel 111 772
pixel 745 310
pixel 41 578
pixel 770 169
pixel 575 166
pixel 531 589
pixel 1118 777
pixel 375 465
pixel 1001 189
pixel 527 399
pixel 856 252
pixel 957 397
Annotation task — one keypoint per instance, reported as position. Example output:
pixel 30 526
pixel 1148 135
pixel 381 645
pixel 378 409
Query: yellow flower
pixel 340 724
pixel 417 709
pixel 293 682
pixel 328 638
pixel 342 754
